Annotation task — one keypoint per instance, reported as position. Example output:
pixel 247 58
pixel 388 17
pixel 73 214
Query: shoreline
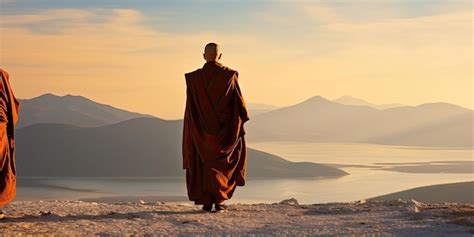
pixel 176 192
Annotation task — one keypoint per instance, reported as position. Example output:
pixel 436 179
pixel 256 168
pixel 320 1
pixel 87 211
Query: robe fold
pixel 214 150
pixel 9 106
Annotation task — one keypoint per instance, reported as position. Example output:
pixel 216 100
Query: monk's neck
pixel 212 63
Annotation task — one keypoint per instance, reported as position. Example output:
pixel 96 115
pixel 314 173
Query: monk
pixel 9 106
pixel 214 150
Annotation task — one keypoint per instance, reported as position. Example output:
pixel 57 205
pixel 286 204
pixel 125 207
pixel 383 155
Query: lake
pixel 374 170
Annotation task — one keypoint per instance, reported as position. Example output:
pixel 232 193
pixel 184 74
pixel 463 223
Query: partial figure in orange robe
pixel 9 106
pixel 214 150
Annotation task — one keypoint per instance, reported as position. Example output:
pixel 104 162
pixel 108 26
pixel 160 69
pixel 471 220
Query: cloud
pixel 116 56
pixel 393 54
pixel 56 20
pixel 69 15
pixel 108 55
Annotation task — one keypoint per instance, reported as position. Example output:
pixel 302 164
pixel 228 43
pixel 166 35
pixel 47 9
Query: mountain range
pixel 255 109
pixel 320 120
pixel 314 120
pixel 349 100
pixel 141 147
pixel 69 109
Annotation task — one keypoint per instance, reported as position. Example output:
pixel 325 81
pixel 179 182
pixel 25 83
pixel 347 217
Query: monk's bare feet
pixel 220 207
pixel 207 208
pixel 2 215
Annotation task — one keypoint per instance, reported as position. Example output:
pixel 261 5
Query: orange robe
pixel 8 117
pixel 214 150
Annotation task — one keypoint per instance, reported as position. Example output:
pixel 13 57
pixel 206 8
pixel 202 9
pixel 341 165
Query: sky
pixel 133 54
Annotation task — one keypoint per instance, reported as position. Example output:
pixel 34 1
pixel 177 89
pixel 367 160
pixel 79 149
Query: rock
pixel 418 206
pixel 45 213
pixel 291 201
pixel 363 201
pixel 417 203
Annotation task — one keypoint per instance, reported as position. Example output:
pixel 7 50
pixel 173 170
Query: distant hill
pixel 349 100
pixel 455 192
pixel 314 120
pixel 454 132
pixel 320 120
pixel 69 109
pixel 255 109
pixel 142 147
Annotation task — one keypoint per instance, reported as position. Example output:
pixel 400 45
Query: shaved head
pixel 211 52
pixel 211 48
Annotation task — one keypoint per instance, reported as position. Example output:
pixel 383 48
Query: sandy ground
pixel 375 218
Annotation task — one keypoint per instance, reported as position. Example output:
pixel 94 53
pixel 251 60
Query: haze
pixel 134 54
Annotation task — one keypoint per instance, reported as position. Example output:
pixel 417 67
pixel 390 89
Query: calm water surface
pixel 362 161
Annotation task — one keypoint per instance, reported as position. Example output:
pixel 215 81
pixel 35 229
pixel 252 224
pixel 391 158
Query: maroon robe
pixel 214 150
pixel 8 117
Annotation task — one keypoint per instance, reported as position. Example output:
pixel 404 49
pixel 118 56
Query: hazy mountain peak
pixel 348 97
pixel 51 96
pixel 317 99
pixel 350 100
pixel 320 120
pixel 44 96
pixel 71 109
pixel 74 96
pixel 439 105
pixel 261 106
pixel 48 95
pixel 256 109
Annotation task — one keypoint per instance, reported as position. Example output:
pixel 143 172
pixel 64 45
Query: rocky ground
pixel 374 218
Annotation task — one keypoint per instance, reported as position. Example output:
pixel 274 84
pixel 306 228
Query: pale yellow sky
pixel 116 57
